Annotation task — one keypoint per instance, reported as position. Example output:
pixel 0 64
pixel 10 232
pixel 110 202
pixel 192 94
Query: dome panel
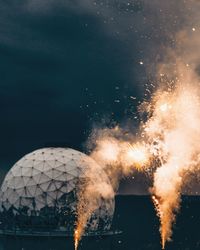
pixel 27 171
pixel 31 182
pixel 44 185
pixel 37 177
pixel 27 202
pixel 38 191
pixel 21 192
pixel 31 190
pixel 27 162
pixel 25 180
pixel 66 188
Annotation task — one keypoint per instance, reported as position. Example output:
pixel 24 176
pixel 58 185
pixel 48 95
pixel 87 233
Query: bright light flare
pixel 136 155
pixel 165 107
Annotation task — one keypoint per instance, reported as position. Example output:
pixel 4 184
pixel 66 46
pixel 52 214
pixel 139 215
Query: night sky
pixel 65 65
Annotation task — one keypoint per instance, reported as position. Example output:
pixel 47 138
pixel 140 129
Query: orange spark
pixel 159 214
pixel 76 239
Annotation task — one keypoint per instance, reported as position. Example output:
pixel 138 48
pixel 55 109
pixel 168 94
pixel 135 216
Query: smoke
pixel 118 158
pixel 166 147
pixel 174 124
pixel 173 131
pixel 95 189
pixel 168 142
pixel 119 153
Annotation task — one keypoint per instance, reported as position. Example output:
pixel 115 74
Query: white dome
pixel 49 178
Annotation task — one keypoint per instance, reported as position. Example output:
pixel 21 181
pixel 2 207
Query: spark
pixel 159 214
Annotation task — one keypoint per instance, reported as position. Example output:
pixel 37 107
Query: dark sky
pixel 67 64
pixel 60 70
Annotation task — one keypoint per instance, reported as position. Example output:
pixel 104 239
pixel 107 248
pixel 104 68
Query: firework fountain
pixel 170 136
pixel 167 143
pixel 173 131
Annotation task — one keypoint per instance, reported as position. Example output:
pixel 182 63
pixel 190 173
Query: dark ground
pixel 135 216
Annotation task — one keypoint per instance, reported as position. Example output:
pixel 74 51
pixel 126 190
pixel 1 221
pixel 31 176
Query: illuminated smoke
pixel 169 139
pixel 117 158
pixel 91 192
pixel 173 130
pixel 89 200
pixel 173 127
pixel 169 146
pixel 120 157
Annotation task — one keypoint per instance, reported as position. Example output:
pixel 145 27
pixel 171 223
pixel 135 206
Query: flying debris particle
pixel 193 29
pixel 133 97
pixel 117 101
pixel 141 63
pixel 152 85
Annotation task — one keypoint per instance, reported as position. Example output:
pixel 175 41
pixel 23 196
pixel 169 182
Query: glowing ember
pixel 76 239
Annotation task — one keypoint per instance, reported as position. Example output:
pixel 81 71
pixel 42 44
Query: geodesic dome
pixel 43 187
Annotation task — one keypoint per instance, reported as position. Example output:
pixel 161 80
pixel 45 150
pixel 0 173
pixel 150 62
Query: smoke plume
pixel 167 143
pixel 173 131
pixel 170 135
pixel 95 188
pixel 174 124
